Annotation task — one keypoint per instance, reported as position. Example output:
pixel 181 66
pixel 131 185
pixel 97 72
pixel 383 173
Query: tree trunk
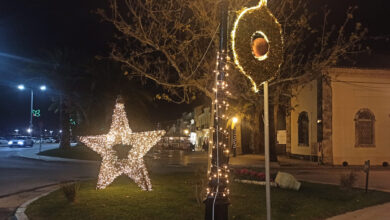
pixel 273 131
pixel 257 131
pixel 65 135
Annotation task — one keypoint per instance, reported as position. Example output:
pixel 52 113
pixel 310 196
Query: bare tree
pixel 174 44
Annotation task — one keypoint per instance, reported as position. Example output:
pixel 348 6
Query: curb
pixel 19 213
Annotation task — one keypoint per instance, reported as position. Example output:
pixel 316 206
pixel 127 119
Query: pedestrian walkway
pixel 257 160
pixel 9 203
pixel 33 154
pixel 379 212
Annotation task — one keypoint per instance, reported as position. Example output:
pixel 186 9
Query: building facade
pixel 342 118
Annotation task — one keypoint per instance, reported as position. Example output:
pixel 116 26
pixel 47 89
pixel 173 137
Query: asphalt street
pixel 19 174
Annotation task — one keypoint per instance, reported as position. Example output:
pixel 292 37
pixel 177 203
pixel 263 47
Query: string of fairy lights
pixel 120 133
pixel 219 170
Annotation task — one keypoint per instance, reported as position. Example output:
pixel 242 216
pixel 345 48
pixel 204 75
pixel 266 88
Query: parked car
pixel 3 141
pixel 36 140
pixel 20 141
pixel 48 140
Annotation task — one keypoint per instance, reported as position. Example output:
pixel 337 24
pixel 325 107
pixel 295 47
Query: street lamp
pixel 186 131
pixel 235 120
pixel 29 130
pixel 22 87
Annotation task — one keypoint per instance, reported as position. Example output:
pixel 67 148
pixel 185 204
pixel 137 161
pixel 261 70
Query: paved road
pixel 18 174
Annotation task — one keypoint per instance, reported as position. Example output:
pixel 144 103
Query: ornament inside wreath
pixel 257 44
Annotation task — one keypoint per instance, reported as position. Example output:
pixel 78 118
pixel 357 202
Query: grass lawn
pixel 79 152
pixel 173 198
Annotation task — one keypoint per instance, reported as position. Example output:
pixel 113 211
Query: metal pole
pixel 31 111
pixel 266 151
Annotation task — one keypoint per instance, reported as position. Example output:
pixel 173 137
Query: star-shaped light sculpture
pixel 120 133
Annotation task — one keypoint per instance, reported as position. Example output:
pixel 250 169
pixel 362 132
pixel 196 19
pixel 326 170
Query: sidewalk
pixel 379 212
pixel 33 154
pixel 8 204
pixel 256 160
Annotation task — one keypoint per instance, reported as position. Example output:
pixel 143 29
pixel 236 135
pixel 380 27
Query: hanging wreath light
pixel 257 44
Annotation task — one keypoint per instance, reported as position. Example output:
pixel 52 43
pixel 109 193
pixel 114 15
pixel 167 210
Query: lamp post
pixel 22 87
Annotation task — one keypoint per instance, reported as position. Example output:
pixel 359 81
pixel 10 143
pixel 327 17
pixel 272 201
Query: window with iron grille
pixel 364 128
pixel 303 129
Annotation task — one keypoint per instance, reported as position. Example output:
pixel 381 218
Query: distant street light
pixel 43 88
pixel 29 130
pixel 21 87
pixel 16 131
pixel 186 131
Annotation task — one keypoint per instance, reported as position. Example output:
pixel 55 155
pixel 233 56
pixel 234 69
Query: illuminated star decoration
pixel 120 133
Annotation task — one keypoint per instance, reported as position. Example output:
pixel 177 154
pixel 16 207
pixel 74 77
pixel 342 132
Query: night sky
pixel 29 27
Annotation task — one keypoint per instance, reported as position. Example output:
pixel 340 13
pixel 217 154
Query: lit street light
pixel 22 87
pixel 29 130
pixel 235 120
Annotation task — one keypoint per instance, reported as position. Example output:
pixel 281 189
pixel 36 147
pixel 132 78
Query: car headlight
pixel 20 142
pixel 10 142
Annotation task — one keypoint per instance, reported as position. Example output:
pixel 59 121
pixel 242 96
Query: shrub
pixel 345 163
pixel 246 174
pixel 385 164
pixel 70 191
pixel 347 181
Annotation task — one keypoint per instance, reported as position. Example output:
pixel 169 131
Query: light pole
pixel 22 87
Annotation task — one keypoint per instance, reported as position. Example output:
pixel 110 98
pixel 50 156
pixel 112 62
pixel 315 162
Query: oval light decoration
pixel 257 44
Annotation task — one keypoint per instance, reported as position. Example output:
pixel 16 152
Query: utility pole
pixel 31 111
pixel 217 201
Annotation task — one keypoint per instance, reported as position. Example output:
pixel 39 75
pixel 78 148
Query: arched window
pixel 364 128
pixel 303 129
